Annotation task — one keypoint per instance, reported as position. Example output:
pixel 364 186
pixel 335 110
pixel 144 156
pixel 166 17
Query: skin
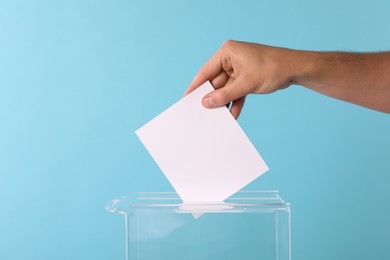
pixel 241 68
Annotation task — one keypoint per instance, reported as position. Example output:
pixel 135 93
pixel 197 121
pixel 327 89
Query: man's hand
pixel 239 68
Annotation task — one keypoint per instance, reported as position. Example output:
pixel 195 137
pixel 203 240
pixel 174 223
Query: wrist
pixel 308 66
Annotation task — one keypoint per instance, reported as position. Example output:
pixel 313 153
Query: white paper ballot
pixel 204 153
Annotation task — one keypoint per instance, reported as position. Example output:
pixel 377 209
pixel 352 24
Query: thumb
pixel 220 97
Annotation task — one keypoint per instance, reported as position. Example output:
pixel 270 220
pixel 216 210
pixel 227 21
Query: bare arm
pixel 239 68
pixel 359 78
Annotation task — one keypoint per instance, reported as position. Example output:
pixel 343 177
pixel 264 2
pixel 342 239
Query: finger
pixel 220 80
pixel 233 90
pixel 222 84
pixel 237 107
pixel 208 72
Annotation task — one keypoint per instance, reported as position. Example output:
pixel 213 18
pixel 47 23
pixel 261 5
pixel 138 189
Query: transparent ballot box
pixel 250 225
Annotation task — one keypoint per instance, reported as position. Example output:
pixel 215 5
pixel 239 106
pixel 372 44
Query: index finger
pixel 209 71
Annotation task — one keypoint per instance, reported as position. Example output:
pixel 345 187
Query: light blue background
pixel 78 77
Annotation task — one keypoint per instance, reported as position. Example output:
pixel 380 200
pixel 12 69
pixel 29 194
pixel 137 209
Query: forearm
pixel 359 78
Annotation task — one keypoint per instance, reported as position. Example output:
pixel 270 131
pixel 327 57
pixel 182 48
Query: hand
pixel 240 68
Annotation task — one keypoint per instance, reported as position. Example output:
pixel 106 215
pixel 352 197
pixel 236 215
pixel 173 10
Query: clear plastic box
pixel 251 225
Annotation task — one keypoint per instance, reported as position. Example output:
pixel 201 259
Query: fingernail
pixel 208 102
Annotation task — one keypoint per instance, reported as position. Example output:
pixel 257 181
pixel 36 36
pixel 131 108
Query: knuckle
pixel 203 74
pixel 228 44
pixel 224 97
